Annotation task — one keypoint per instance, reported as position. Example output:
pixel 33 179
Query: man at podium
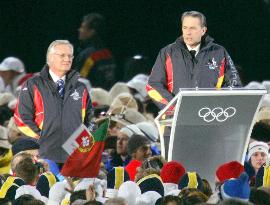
pixel 193 60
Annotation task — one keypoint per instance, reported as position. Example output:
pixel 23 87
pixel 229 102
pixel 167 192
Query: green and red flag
pixel 85 150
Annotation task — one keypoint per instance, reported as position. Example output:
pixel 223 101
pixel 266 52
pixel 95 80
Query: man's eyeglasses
pixel 62 56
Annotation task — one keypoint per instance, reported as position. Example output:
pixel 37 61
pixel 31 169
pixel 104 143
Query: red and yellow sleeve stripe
pixel 84 104
pixel 155 95
pixel 221 74
pixel 26 130
pixel 39 108
pixel 169 73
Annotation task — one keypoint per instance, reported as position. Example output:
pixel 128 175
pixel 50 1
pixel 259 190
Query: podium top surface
pixel 224 91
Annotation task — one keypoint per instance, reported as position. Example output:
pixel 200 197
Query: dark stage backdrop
pixel 139 26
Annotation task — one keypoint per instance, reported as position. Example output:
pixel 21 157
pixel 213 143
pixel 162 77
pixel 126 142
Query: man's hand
pixel 90 193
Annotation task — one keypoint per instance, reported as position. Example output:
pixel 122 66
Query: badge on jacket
pixel 75 95
pixel 212 65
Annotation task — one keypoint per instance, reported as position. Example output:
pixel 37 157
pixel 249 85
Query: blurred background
pixel 137 27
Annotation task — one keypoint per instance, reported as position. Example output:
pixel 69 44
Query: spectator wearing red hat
pixel 171 174
pixel 138 148
pixel 152 165
pixel 131 168
pixel 228 170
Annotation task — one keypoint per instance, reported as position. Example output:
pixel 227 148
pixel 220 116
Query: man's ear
pixel 204 30
pixel 49 58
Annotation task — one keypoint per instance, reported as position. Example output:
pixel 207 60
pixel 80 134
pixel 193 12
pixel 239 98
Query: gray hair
pixel 55 43
pixel 195 14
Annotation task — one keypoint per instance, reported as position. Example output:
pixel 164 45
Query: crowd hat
pixel 6 98
pixel 45 183
pixel 57 193
pixel 115 177
pixel 116 89
pixel 12 125
pixel 99 97
pixel 12 63
pixel 130 130
pixel 229 170
pixel 172 172
pixel 129 190
pixel 135 142
pixel 138 83
pixel 191 180
pixel 236 188
pixel 151 183
pixel 149 130
pixel 148 198
pixel 4 138
pixel 126 116
pixel 263 114
pixel 23 144
pixel 257 146
pixel 124 99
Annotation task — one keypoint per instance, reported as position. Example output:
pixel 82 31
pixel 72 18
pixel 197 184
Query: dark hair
pixel 78 195
pixel 92 203
pixel 234 202
pixel 187 191
pixel 258 196
pixel 27 199
pixel 260 132
pixel 207 190
pixel 96 22
pixel 27 170
pixel 195 14
pixel 194 198
pixel 5 201
pixel 167 199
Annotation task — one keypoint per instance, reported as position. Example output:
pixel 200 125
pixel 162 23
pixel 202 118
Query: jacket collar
pixel 71 77
pixel 206 42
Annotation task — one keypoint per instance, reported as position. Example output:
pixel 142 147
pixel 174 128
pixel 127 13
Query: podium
pixel 204 128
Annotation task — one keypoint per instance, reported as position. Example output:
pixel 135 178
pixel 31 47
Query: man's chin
pixel 66 68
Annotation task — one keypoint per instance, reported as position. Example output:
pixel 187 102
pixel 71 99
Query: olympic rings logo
pixel 218 114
